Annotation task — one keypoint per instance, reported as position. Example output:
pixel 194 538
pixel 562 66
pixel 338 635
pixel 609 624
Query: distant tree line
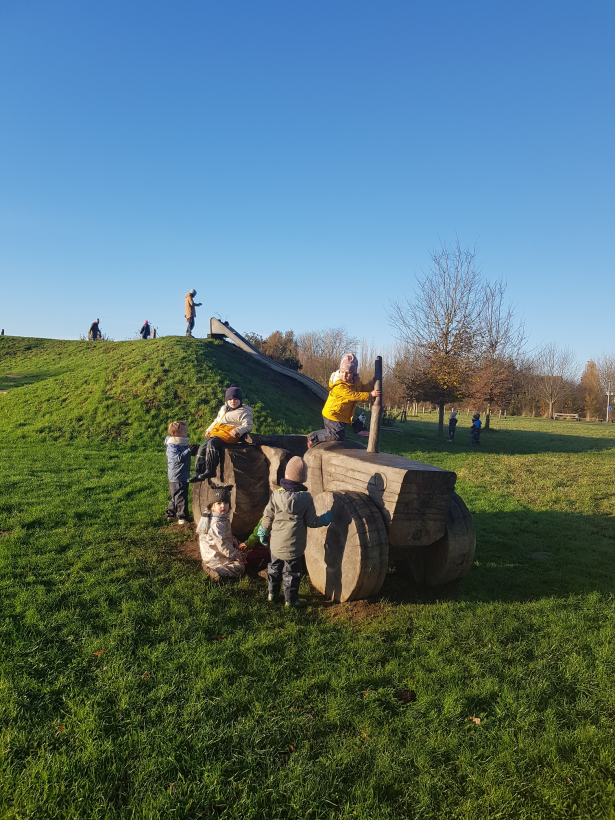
pixel 459 343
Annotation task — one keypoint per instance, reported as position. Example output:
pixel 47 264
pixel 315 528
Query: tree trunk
pixel 487 418
pixel 441 418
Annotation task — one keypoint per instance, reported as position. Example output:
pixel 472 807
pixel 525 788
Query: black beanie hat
pixel 233 392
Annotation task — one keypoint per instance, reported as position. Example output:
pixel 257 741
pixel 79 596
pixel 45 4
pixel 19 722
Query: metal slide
pixel 219 329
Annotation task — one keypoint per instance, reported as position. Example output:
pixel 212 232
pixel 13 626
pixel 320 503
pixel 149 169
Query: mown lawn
pixel 134 687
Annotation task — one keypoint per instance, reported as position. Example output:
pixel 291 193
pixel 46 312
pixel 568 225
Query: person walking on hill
pixel 145 330
pixel 94 331
pixel 191 307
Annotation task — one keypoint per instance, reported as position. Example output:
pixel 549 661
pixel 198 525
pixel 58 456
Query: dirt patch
pixel 190 547
pixel 12 376
pixel 356 612
pixel 4 391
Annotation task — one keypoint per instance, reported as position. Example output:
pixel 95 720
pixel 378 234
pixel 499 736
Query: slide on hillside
pixel 219 329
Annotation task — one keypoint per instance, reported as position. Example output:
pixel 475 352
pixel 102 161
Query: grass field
pixel 133 687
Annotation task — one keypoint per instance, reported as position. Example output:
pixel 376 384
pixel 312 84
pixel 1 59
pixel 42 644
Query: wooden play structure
pixel 387 509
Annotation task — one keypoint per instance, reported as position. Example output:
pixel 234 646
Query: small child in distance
pixel 475 430
pixel 452 424
pixel 220 555
pixel 177 445
pixel 287 516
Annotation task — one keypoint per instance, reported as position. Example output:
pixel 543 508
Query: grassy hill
pixel 132 687
pixel 129 391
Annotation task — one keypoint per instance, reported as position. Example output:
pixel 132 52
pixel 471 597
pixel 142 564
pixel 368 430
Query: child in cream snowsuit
pixel 219 554
pixel 233 421
pixel 345 391
pixel 287 516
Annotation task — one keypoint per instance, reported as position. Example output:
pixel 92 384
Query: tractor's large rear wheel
pixel 348 559
pixel 449 558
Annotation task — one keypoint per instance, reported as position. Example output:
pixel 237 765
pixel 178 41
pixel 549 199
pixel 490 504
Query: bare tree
pixel 441 323
pixel 320 351
pixel 502 340
pixel 555 367
pixel 590 390
pixel 606 372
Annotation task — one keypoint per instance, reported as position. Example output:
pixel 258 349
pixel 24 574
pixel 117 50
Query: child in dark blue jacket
pixel 475 430
pixel 177 446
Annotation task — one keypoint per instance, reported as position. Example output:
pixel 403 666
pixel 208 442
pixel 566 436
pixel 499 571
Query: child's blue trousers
pixel 289 572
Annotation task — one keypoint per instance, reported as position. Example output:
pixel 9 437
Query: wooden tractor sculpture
pixel 387 510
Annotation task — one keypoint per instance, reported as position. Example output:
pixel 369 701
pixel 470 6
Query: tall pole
pixel 374 427
pixel 608 401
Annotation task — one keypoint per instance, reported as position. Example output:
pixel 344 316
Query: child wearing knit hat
pixel 233 421
pixel 220 555
pixel 345 391
pixel 287 516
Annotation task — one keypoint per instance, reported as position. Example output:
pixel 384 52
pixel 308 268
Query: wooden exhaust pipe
pixel 374 427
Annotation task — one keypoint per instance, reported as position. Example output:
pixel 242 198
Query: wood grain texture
pixel 247 469
pixel 413 498
pixel 373 443
pixel 451 557
pixel 348 559
pixel 277 458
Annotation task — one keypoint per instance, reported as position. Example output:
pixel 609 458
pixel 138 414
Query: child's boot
pixel 300 603
pixel 273 596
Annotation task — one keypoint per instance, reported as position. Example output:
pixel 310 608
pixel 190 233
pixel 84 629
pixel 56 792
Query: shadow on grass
pixel 520 556
pixel 421 436
pixel 526 556
pixel 12 381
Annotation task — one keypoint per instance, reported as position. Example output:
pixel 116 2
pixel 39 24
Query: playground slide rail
pixel 219 329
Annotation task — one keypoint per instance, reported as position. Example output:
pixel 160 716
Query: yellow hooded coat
pixel 344 397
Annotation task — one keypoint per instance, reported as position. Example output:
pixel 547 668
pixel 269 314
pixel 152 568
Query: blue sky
pixel 295 162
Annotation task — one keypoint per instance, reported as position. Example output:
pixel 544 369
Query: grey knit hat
pixel 221 492
pixel 296 470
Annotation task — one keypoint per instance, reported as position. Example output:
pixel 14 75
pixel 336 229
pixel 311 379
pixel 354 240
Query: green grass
pixel 206 702
pixel 130 391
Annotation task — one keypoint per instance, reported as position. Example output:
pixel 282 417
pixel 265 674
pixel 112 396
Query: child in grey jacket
pixel 287 516
pixel 177 445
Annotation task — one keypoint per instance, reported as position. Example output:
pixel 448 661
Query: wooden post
pixel 374 427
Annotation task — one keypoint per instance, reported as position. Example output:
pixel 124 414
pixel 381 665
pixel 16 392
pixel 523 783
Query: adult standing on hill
pixel 191 307
pixel 94 331
pixel 145 330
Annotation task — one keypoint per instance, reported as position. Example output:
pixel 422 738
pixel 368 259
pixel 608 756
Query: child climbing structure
pixel 387 509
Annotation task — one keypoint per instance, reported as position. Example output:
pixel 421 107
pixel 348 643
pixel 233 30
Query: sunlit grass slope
pixel 132 687
pixel 129 391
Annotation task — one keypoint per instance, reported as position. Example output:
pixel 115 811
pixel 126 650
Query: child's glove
pixel 263 535
pixel 327 517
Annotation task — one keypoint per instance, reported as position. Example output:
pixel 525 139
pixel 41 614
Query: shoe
pixel 300 603
pixel 272 598
pixel 181 521
pixel 212 573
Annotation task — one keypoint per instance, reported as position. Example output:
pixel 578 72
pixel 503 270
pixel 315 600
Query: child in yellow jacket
pixel 346 390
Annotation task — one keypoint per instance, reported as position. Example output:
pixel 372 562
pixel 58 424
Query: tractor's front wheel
pixel 348 559
pixel 449 558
